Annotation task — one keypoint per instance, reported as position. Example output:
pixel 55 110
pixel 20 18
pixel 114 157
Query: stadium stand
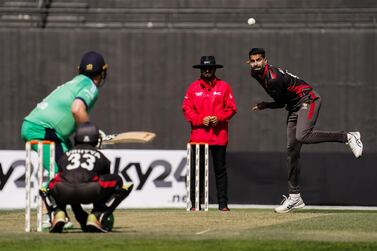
pixel 183 14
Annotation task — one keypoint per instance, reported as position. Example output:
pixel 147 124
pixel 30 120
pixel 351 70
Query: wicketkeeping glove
pixel 102 135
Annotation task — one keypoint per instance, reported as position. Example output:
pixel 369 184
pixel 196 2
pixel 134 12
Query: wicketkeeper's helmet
pixel 86 133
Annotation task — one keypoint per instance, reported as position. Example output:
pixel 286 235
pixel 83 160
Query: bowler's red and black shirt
pixel 285 88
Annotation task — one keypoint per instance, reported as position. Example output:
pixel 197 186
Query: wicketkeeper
pixel 84 178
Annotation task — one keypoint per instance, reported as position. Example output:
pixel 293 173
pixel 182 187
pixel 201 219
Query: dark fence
pixel 151 69
pixel 326 179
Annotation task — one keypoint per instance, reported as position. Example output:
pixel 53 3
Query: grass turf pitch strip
pixel 176 229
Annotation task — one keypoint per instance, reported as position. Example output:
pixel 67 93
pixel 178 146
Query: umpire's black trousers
pixel 218 154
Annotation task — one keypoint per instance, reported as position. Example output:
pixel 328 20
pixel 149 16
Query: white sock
pixel 294 195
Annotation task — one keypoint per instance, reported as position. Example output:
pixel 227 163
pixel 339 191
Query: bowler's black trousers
pixel 300 130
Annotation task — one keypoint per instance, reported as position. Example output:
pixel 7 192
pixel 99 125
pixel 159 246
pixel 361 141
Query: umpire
pixel 84 178
pixel 208 106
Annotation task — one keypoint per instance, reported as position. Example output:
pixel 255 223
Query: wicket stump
pixel 28 173
pixel 196 147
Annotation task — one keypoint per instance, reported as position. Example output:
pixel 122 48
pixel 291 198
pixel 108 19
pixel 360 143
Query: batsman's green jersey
pixel 55 110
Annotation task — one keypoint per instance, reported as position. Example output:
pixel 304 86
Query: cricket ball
pixel 251 21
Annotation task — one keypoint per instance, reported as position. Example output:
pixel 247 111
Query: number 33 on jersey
pixel 83 164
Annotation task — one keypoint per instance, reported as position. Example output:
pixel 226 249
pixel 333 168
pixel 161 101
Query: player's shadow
pixel 115 230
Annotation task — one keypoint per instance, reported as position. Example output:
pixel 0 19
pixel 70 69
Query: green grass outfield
pixel 176 229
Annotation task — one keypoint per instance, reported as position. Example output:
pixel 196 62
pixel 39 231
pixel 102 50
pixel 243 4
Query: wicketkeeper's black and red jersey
pixel 285 88
pixel 83 164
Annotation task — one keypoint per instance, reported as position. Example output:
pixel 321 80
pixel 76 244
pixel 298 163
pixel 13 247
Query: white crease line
pixel 203 232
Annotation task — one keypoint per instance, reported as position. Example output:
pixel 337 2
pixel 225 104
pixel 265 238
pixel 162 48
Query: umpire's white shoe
pixel 354 142
pixel 294 201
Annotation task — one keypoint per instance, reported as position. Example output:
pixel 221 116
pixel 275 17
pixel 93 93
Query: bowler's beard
pixel 254 72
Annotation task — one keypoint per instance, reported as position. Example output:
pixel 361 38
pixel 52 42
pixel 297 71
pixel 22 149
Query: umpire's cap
pixel 207 62
pixel 92 64
pixel 86 133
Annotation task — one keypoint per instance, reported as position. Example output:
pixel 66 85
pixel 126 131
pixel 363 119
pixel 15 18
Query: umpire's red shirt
pixel 203 99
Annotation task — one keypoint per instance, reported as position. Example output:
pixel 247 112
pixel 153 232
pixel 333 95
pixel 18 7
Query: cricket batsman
pixel 55 118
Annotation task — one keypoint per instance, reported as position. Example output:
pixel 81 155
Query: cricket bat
pixel 128 137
